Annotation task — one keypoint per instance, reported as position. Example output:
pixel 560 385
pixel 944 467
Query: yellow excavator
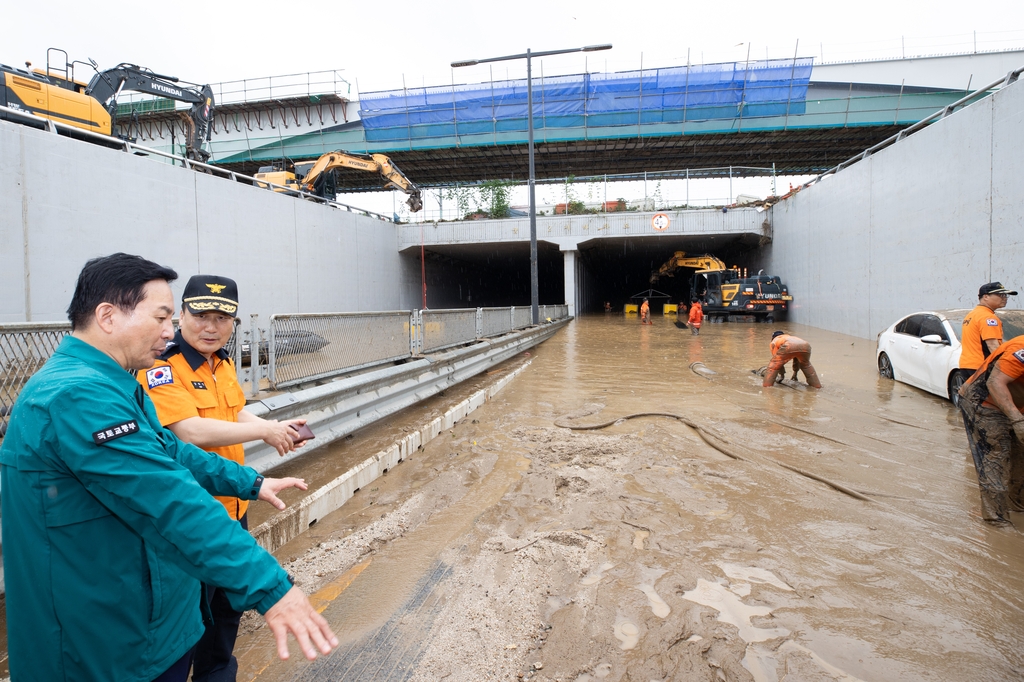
pixel 728 291
pixel 317 177
pixel 57 95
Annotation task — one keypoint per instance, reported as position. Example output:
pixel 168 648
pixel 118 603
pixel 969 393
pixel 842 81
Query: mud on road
pixel 512 548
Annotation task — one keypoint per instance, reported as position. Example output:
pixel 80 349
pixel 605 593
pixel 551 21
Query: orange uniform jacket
pixel 980 325
pixel 696 314
pixel 181 385
pixel 1010 363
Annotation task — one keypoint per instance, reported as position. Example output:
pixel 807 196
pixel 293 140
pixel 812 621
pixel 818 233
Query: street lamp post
pixel 528 56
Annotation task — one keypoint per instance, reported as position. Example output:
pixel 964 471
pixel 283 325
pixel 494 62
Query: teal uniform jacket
pixel 109 526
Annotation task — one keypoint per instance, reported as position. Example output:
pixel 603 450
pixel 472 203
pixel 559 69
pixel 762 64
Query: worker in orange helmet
pixel 786 347
pixel 645 313
pixel 696 315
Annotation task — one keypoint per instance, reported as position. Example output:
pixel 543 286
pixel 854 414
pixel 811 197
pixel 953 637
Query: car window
pixel 933 325
pixel 911 325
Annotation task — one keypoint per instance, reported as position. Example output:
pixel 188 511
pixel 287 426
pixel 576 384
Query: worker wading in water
pixel 991 403
pixel 696 316
pixel 786 347
pixel 645 313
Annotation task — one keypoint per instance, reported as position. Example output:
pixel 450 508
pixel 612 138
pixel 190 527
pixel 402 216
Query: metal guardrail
pixel 296 349
pixel 7 113
pixel 340 407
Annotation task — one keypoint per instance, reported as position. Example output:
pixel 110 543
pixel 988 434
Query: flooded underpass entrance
pixel 755 535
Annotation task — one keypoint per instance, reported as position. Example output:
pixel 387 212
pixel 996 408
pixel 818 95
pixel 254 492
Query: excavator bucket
pixel 415 202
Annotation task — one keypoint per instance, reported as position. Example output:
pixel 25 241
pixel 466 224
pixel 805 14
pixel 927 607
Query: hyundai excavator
pixel 317 177
pixel 56 94
pixel 728 291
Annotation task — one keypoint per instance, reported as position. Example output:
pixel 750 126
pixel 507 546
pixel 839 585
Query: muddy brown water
pixel 639 552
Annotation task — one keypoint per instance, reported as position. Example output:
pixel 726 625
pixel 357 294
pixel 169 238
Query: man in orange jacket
pixel 982 330
pixel 645 313
pixel 786 347
pixel 696 315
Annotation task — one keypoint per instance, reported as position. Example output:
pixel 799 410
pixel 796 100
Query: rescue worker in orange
pixel 991 402
pixel 982 330
pixel 197 396
pixel 696 315
pixel 786 347
pixel 645 313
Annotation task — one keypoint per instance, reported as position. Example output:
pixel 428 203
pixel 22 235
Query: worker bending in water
pixel 991 403
pixel 197 396
pixel 786 347
pixel 645 313
pixel 696 315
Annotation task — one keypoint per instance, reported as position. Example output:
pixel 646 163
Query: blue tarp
pixel 674 95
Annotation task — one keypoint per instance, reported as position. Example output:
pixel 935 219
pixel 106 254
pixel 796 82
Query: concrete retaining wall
pixel 919 225
pixel 64 201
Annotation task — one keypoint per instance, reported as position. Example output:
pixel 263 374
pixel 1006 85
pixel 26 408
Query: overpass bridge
pixel 802 117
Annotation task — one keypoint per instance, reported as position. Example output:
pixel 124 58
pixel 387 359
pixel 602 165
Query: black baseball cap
pixel 777 333
pixel 994 288
pixel 204 293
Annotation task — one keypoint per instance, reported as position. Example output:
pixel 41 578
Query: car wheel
pixel 956 380
pixel 885 366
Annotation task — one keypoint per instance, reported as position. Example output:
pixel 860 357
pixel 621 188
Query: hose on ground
pixel 716 441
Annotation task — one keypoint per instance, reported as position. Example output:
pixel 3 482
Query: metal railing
pixel 295 349
pixel 24 348
pixel 6 113
pixel 308 347
pixel 942 113
pixel 448 328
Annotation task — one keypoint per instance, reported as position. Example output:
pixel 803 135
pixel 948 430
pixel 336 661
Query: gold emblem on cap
pixel 216 288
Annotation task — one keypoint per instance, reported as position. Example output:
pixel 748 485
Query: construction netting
pixel 776 87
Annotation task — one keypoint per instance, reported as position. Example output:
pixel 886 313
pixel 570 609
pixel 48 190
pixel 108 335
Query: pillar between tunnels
pixel 569 273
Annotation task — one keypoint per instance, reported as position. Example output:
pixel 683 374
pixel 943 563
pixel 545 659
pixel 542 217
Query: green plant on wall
pixel 494 198
pixel 462 196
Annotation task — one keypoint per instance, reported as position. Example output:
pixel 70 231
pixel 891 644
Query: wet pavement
pixel 515 549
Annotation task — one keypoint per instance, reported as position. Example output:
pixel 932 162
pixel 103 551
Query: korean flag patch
pixel 158 376
pixel 1019 355
pixel 991 322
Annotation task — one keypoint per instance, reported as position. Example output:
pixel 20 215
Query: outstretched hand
pixel 294 614
pixel 272 486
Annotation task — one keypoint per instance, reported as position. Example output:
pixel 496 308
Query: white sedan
pixel 923 349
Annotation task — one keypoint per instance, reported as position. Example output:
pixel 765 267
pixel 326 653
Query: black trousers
pixel 214 660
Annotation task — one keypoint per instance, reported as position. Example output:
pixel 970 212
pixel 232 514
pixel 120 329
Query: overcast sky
pixel 377 44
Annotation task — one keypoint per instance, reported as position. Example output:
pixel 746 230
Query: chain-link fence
pixel 24 348
pixel 447 328
pixel 312 346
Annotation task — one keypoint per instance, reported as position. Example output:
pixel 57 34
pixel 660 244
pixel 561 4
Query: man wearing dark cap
pixel 786 347
pixel 197 396
pixel 982 330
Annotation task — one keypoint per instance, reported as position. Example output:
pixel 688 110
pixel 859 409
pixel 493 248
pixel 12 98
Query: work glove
pixel 1018 429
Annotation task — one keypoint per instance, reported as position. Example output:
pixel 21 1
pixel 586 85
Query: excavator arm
pixel 373 163
pixel 680 260
pixel 106 85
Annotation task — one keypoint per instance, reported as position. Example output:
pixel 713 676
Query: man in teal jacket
pixel 109 523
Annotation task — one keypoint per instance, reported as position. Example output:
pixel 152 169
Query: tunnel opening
pixel 614 270
pixel 485 275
